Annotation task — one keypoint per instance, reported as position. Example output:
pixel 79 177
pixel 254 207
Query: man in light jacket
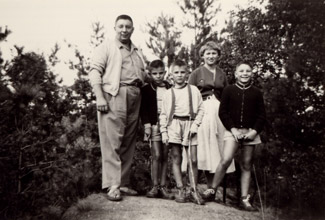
pixel 116 75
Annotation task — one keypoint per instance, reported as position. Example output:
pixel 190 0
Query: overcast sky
pixel 39 24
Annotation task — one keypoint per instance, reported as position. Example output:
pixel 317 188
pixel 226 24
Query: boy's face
pixel 158 74
pixel 244 73
pixel 179 74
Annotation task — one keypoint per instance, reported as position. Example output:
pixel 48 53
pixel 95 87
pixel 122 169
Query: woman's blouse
pixel 207 82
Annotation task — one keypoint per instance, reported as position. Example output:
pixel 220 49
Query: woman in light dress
pixel 210 80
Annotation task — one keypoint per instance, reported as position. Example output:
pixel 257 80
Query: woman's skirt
pixel 210 139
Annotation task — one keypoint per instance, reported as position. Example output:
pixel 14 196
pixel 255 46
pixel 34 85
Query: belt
pixel 183 118
pixel 136 84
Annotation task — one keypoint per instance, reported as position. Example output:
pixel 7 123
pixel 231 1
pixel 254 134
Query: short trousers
pixel 179 131
pixel 155 133
pixel 228 136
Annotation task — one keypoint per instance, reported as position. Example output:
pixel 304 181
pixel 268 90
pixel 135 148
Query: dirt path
pixel 97 207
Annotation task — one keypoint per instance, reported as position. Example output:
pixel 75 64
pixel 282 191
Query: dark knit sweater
pixel 242 107
pixel 149 108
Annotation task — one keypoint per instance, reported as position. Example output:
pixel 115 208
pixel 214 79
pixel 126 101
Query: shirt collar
pixel 120 45
pixel 243 86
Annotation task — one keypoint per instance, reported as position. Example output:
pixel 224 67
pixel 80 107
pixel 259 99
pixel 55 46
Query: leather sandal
pixel 114 195
pixel 128 191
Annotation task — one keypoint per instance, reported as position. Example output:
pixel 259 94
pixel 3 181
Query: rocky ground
pixel 97 207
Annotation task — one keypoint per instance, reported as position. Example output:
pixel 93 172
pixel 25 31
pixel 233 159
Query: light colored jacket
pixel 166 115
pixel 106 66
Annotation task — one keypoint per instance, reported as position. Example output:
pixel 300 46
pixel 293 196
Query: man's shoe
pixel 128 191
pixel 114 195
pixel 209 195
pixel 165 194
pixel 153 193
pixel 180 196
pixel 246 205
pixel 196 198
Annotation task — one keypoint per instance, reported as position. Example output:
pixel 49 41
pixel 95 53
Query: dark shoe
pixel 196 198
pixel 153 193
pixel 180 196
pixel 165 194
pixel 114 195
pixel 246 205
pixel 128 191
pixel 209 195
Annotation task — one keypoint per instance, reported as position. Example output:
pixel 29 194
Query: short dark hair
pixel 156 64
pixel 178 62
pixel 124 17
pixel 243 62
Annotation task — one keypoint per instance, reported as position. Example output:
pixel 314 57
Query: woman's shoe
pixel 209 195
pixel 246 205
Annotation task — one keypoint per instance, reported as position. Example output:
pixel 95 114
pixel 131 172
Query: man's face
pixel 124 29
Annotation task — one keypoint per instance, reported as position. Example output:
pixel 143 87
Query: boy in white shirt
pixel 181 115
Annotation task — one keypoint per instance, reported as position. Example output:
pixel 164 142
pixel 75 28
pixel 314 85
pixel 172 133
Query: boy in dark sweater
pixel 152 95
pixel 243 114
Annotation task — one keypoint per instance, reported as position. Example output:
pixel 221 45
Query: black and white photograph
pixel 162 109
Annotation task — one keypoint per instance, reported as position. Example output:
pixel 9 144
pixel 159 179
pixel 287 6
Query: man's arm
pixel 101 102
pixel 97 70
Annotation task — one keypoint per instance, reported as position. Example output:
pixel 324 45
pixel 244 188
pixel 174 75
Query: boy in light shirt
pixel 181 115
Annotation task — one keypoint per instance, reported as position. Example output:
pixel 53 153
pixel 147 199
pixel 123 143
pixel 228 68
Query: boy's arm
pixel 144 114
pixel 163 114
pixel 261 115
pixel 163 119
pixel 200 113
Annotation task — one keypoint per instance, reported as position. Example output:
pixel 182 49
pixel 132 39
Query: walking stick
pixel 150 145
pixel 189 158
pixel 259 192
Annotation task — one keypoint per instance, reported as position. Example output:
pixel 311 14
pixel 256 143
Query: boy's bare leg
pixel 209 177
pixel 194 164
pixel 177 161
pixel 229 151
pixel 155 169
pixel 163 174
pixel 246 166
pixel 164 164
pixel 156 159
